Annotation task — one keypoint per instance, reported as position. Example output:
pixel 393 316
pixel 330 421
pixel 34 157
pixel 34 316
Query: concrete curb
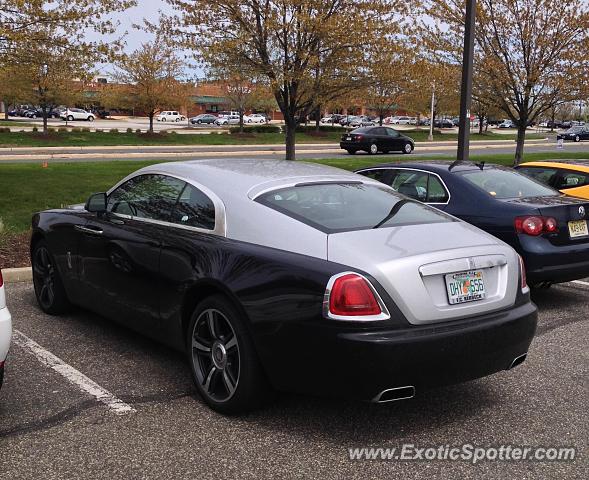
pixel 17 275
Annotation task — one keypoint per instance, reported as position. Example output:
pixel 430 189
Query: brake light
pixel 352 296
pixel 359 138
pixel 522 273
pixel 535 225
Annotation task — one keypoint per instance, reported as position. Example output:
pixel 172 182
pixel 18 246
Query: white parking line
pixel 74 376
pixel 581 282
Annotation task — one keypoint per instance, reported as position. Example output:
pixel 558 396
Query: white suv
pixel 170 116
pixel 5 329
pixel 71 114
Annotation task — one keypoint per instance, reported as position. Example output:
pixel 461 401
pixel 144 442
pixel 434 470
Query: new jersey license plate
pixel 465 287
pixel 578 228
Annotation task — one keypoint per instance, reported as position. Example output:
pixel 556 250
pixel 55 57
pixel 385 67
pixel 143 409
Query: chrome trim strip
pixel 377 399
pixel 384 315
pixel 413 170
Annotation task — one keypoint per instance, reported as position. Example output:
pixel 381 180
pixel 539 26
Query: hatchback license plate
pixel 465 287
pixel 348 138
pixel 578 228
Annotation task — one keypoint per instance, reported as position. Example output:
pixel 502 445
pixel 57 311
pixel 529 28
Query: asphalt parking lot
pixel 50 429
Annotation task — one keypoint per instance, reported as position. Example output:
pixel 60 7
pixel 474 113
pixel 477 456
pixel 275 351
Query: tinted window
pixel 146 196
pixel 543 175
pixel 572 180
pixel 391 132
pixel 378 174
pixel 338 207
pixel 410 183
pixel 379 131
pixel 436 192
pixel 507 183
pixel 194 209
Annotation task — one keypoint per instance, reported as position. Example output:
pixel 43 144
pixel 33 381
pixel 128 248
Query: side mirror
pixel 96 203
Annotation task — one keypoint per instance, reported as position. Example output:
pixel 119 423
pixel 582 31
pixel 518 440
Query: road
pixel 50 429
pixel 185 152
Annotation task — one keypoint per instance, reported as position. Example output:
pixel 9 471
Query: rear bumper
pixel 5 332
pixel 550 263
pixel 354 145
pixel 328 361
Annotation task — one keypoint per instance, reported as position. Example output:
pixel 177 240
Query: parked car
pixel 5 329
pixel 575 134
pixel 360 121
pixel 337 271
pixel 548 229
pixel 332 119
pixel 207 118
pixel 256 118
pixel 170 116
pixel 228 113
pixel 345 121
pixel 71 114
pixel 390 120
pixel 38 113
pixel 570 177
pixel 506 124
pixel 403 120
pixel 376 139
pixel 443 123
pixel 228 120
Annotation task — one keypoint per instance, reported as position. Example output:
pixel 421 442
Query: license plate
pixel 578 228
pixel 348 138
pixel 465 287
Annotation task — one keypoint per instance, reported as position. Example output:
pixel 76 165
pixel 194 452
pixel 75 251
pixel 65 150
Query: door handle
pixel 91 231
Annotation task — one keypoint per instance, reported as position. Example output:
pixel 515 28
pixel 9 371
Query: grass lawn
pixel 55 139
pixel 15 124
pixel 27 188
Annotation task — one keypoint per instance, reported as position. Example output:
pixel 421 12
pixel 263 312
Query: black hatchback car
pixel 548 229
pixel 376 139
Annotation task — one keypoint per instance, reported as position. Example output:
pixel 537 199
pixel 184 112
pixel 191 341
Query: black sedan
pixel 288 276
pixel 575 134
pixel 203 118
pixel 376 139
pixel 548 229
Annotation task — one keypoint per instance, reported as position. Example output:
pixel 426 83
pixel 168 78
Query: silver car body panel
pixel 409 262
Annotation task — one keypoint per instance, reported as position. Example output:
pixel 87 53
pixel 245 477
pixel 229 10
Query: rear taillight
pixel 359 138
pixel 522 273
pixel 350 296
pixel 535 225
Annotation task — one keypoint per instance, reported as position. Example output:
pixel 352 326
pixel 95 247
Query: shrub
pixel 4 130
pixel 257 129
pixel 138 130
pixel 76 130
pixel 322 128
pixel 35 129
pixel 50 130
pixel 129 130
pixel 85 129
pixel 62 129
pixel 114 130
pixel 98 130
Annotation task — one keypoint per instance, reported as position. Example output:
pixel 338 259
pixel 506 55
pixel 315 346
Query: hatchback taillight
pixel 351 295
pixel 535 225
pixel 522 273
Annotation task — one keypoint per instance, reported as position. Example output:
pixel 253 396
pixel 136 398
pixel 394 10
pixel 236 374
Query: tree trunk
pixel 317 118
pixel 151 115
pixel 290 130
pixel 240 121
pixel 380 118
pixel 45 129
pixel 552 120
pixel 521 136
pixel 481 121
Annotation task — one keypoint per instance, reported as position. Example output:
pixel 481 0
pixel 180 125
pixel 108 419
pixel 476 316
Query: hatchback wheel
pixel 577 138
pixel 70 118
pixel 90 118
pixel 373 150
pixel 407 148
pixel 224 363
pixel 199 121
pixel 49 289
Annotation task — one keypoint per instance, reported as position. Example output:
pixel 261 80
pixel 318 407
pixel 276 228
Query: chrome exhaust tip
pixel 518 360
pixel 394 394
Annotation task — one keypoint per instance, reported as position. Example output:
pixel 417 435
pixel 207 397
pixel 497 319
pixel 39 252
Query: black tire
pixel 199 121
pixel 407 148
pixel 49 289
pixel 351 151
pixel 70 118
pixel 230 380
pixel 90 118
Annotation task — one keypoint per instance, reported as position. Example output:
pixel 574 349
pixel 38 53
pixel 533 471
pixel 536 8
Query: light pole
pixel 466 88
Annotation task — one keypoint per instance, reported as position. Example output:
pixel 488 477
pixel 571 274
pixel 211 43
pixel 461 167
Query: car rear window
pixel 501 183
pixel 343 207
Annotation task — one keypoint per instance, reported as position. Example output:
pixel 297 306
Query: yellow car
pixel 570 177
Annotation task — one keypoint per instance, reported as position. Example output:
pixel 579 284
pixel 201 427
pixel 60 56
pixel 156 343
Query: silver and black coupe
pixel 276 275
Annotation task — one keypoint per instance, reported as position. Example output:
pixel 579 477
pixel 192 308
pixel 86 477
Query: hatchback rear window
pixel 343 207
pixel 501 183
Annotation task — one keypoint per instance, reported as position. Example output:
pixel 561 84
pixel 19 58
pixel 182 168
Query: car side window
pixel 411 183
pixel 542 175
pixel 194 209
pixel 436 192
pixel 379 131
pixel 391 132
pixel 146 196
pixel 379 174
pixel 572 180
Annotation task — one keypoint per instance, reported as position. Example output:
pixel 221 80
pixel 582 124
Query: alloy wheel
pixel 373 149
pixel 215 355
pixel 408 148
pixel 44 277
